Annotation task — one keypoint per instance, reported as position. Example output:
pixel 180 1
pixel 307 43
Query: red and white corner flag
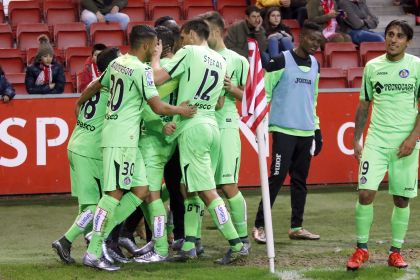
pixel 254 110
pixel 254 102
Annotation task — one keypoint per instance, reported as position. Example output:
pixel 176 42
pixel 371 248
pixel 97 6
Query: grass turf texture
pixel 29 225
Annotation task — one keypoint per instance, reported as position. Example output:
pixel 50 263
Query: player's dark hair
pixel 199 26
pixel 105 57
pixel 250 9
pixel 167 37
pixel 162 20
pixel 140 34
pixel 215 19
pixel 405 27
pixel 310 26
pixel 98 47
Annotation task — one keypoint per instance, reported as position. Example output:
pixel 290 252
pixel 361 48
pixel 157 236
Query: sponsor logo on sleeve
pixel 149 77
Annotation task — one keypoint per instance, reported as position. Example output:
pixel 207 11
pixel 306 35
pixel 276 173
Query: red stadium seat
pixel 27 34
pixel 369 50
pixel 320 57
pixel 333 78
pixel 76 58
pixel 59 12
pixel 68 86
pixel 193 8
pixel 24 12
pixel 231 10
pixel 31 53
pixel 1 13
pixel 354 77
pixel 136 10
pixel 6 36
pixel 72 34
pixel 161 8
pixel 18 82
pixel 296 35
pixel 341 55
pixel 109 33
pixel 124 49
pixel 11 61
pixel 291 23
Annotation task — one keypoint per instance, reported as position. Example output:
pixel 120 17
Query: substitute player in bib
pixel 131 84
pixel 227 171
pixel 202 73
pixel 85 157
pixel 391 81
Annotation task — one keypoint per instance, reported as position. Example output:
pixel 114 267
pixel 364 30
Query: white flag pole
pixel 262 161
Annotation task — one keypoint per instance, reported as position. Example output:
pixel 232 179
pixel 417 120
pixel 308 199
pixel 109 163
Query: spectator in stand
pixel 90 72
pixel 290 9
pixel 250 27
pixel 6 90
pixel 324 13
pixel 279 35
pixel 104 11
pixel 45 75
pixel 359 21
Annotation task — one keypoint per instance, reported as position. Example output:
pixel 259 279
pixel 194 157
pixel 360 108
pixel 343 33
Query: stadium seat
pixel 193 8
pixel 31 53
pixel 11 61
pixel 24 12
pixel 136 10
pixel 162 8
pixel 333 78
pixel 59 12
pixel 68 86
pixel 76 57
pixel 319 55
pixel 109 33
pixel 6 36
pixel 72 34
pixel 354 77
pixel 341 55
pixel 296 35
pixel 18 82
pixel 291 23
pixel 134 23
pixel 1 13
pixel 27 34
pixel 231 10
pixel 369 50
pixel 124 49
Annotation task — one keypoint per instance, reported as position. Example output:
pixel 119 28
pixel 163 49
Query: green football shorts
pixel 402 172
pixel 86 178
pixel 229 161
pixel 156 152
pixel 199 152
pixel 123 168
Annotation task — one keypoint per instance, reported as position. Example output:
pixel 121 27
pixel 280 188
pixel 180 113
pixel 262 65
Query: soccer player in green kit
pixel 202 73
pixel 85 157
pixel 391 81
pixel 227 171
pixel 131 84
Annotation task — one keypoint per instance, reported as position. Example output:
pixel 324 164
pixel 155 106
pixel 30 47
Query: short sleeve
pixel 366 92
pixel 179 63
pixel 148 87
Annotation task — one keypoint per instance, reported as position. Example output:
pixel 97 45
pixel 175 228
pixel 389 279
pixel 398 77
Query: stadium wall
pixel 34 132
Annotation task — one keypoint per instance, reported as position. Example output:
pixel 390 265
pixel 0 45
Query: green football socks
pixel 82 222
pixel 364 219
pixel 399 225
pixel 237 205
pixel 158 219
pixel 191 221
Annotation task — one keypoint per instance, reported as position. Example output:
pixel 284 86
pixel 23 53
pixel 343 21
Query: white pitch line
pixel 291 275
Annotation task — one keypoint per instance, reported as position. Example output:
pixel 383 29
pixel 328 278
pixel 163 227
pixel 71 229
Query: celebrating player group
pixel 175 93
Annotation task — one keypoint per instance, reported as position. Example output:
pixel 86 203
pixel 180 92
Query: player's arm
pixel 162 108
pixel 235 91
pixel 90 91
pixel 220 102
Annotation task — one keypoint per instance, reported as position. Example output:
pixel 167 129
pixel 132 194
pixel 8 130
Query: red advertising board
pixel 34 134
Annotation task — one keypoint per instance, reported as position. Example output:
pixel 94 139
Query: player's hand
pixel 100 17
pixel 407 147
pixel 357 150
pixel 318 142
pixel 187 110
pixel 260 22
pixel 157 52
pixel 227 84
pixel 169 128
pixel 115 10
pixel 6 99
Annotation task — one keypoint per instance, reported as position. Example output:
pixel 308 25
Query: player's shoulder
pixel 376 62
pixel 235 56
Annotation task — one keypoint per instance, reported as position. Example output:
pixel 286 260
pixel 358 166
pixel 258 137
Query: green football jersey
pixel 237 71
pixel 394 89
pixel 201 71
pixel 87 134
pixel 131 85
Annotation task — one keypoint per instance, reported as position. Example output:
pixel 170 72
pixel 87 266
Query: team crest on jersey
pixel 127 181
pixel 404 73
pixel 149 77
pixel 363 180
